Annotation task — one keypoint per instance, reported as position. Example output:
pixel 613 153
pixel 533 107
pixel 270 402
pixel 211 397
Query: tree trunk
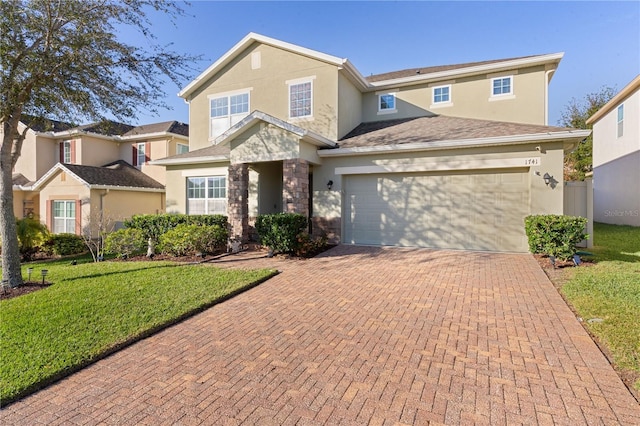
pixel 8 232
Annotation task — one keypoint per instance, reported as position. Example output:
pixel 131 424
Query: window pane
pixel 195 188
pixel 620 112
pixel 300 100
pixel 219 107
pixel 239 103
pixel 67 152
pixel 182 149
pixel 387 102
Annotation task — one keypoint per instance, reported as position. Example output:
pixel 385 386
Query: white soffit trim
pixel 189 160
pixel 243 44
pixel 624 93
pixel 436 166
pixel 126 188
pixel 478 69
pixel 577 135
pixel 152 135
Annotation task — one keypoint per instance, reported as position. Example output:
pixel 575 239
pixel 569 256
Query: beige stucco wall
pixel 270 92
pixel 120 205
pixel 349 106
pixel 470 98
pixel 266 142
pixel 38 155
pixel 93 151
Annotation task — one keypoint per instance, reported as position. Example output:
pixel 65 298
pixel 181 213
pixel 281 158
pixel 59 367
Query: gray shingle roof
pixel 175 127
pixel 40 124
pixel 428 70
pixel 19 179
pixel 118 173
pixel 435 128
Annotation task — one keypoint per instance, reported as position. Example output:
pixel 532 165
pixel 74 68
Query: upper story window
pixel 301 98
pixel 66 152
pixel 442 94
pixel 620 120
pixel 182 148
pixel 387 103
pixel 141 154
pixel 227 110
pixel 502 86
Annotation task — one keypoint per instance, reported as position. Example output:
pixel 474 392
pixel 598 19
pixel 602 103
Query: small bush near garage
pixel 126 242
pixel 555 235
pixel 64 244
pixel 280 232
pixel 184 240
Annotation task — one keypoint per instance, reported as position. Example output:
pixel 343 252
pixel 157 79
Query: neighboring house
pixel 66 174
pixel 448 157
pixel 616 158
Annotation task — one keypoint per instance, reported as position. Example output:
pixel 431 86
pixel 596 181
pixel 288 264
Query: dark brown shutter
pixel 62 152
pixel 135 155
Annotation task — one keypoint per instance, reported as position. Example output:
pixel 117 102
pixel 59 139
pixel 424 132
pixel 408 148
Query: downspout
pixel 547 80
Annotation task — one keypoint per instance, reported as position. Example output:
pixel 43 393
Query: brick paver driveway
pixel 359 336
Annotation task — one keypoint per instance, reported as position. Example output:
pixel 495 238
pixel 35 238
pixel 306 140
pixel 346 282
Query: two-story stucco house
pixel 616 158
pixel 448 157
pixel 67 174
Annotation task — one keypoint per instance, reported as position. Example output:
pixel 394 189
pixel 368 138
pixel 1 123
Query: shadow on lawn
pixel 128 271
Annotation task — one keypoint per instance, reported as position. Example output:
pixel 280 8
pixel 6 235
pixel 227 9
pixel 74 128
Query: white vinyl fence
pixel 578 201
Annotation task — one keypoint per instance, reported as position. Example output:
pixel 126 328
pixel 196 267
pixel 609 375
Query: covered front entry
pixel 479 210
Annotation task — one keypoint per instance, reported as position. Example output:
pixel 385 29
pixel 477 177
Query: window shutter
pixel 78 217
pixel 135 155
pixel 49 213
pixel 61 152
pixel 147 152
pixel 73 151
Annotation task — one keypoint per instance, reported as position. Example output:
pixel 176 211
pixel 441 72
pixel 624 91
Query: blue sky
pixel 601 40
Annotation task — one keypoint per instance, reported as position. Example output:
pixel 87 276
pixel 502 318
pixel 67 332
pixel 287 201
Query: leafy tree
pixel 575 115
pixel 62 59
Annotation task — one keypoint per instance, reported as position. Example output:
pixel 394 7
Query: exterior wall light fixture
pixel 330 185
pixel 547 178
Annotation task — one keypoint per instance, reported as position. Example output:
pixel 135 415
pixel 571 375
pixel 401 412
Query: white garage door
pixel 478 211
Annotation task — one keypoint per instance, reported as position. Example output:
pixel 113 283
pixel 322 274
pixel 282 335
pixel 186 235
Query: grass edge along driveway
pixel 94 309
pixel 607 296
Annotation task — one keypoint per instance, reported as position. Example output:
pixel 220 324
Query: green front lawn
pixel 94 308
pixel 610 290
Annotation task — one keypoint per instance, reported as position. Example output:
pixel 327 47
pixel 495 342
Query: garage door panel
pixel 482 211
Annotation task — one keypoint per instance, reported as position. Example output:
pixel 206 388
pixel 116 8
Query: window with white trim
pixel 207 195
pixel 141 156
pixel 64 216
pixel 301 99
pixel 387 102
pixel 182 148
pixel 226 111
pixel 620 120
pixel 502 86
pixel 441 94
pixel 66 152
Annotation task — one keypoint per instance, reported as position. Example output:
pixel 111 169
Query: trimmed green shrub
pixel 155 225
pixel 32 234
pixel 279 232
pixel 126 242
pixel 65 244
pixel 555 235
pixel 193 239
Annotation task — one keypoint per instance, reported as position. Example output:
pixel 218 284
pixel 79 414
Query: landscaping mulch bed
pixel 28 287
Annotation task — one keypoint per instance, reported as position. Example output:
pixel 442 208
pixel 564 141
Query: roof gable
pixel 116 175
pixel 627 91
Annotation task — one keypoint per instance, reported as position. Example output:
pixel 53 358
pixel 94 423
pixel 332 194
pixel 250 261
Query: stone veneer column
pixel 238 200
pixel 295 186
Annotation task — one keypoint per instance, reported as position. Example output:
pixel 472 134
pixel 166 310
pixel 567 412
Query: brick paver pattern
pixel 362 336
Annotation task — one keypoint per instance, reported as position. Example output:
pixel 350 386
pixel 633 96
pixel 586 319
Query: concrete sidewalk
pixel 359 335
